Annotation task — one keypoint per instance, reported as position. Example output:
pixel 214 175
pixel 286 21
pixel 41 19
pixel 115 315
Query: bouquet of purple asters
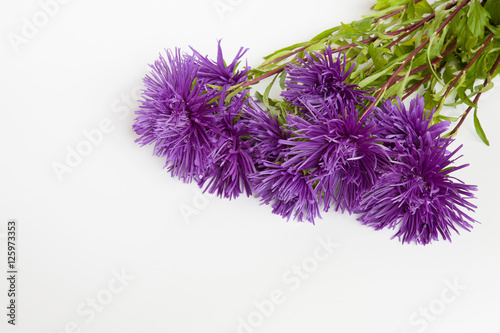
pixel 339 137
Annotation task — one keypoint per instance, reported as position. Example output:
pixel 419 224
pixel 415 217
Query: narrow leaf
pixel 479 129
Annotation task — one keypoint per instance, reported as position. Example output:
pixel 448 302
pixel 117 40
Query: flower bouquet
pixel 339 136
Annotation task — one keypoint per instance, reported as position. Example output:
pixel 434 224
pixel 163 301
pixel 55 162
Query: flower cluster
pixel 325 155
pixel 325 152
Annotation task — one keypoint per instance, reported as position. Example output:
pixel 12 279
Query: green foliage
pixel 478 18
pixel 454 53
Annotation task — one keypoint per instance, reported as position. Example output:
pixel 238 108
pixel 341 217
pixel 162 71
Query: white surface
pixel 119 210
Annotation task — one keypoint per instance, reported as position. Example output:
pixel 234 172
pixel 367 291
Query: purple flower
pixel 318 79
pixel 342 155
pixel 265 133
pixel 290 193
pixel 408 127
pixel 231 158
pixel 177 115
pixel 186 118
pixel 417 195
pixel 217 72
pixel 231 155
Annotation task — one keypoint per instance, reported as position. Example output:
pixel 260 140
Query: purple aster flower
pixel 320 78
pixel 343 155
pixel 231 158
pixel 265 132
pixel 408 127
pixel 177 115
pixel 419 196
pixel 289 192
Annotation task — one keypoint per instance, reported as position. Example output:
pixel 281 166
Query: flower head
pixel 265 133
pixel 290 193
pixel 187 120
pixel 343 155
pixel 231 156
pixel 320 78
pixel 417 194
pixel 409 126
pixel 177 115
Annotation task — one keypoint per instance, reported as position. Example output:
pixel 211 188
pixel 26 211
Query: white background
pixel 119 211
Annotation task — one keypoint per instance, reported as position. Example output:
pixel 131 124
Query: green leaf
pixel 383 4
pixel 377 55
pixel 493 8
pixel 325 34
pixel 285 50
pixel 448 118
pixel 478 18
pixel 410 9
pixel 459 28
pixel 423 7
pixel 479 129
pixel 375 76
pixel 486 87
pixel 259 96
pixel 348 28
pixel 429 62
pixel 464 98
pixel 282 80
pixel 403 83
pixel 234 93
pixel 449 73
pixel 363 25
pixel 265 97
pixel 430 102
pixel 470 44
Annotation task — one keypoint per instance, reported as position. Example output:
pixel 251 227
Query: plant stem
pixel 476 99
pixel 417 85
pixel 435 61
pixel 412 55
pixel 288 55
pixel 262 77
pixel 478 53
pixel 345 47
pixel 413 26
pixel 417 25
